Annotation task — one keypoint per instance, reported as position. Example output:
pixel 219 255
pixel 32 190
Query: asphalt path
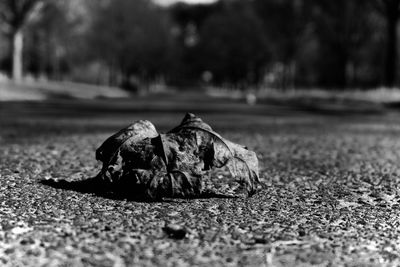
pixel 330 196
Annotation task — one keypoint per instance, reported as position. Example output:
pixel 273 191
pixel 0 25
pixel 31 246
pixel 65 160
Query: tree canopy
pixel 281 43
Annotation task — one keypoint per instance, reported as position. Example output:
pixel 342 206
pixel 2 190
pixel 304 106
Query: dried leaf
pixel 172 164
pixel 125 139
pixel 242 162
pixel 135 132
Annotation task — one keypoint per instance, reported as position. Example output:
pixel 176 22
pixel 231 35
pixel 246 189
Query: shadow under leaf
pixel 101 188
pixel 106 189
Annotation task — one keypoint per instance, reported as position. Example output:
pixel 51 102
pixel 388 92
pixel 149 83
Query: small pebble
pixel 175 231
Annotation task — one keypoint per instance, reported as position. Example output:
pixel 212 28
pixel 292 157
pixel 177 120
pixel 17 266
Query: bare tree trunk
pixel 17 49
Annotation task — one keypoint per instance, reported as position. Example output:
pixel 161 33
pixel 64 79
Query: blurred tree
pixel 342 29
pixel 17 14
pixel 56 39
pixel 188 19
pixel 390 10
pixel 132 37
pixel 232 45
pixel 184 14
pixel 284 25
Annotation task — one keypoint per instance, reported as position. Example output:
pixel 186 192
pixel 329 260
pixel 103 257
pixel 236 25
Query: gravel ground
pixel 331 194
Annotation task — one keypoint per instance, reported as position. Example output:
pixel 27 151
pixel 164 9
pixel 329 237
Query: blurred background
pixel 157 53
pixel 145 45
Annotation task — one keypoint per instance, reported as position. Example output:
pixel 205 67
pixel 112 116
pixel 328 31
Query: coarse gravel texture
pixel 330 197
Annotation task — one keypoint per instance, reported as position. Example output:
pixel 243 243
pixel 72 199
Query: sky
pixel 168 2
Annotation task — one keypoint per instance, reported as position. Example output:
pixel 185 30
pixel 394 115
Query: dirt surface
pixel 331 195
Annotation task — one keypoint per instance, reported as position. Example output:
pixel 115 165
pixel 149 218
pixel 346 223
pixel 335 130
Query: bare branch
pixel 35 11
pixel 3 16
pixel 26 9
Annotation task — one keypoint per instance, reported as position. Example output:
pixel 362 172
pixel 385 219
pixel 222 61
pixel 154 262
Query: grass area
pixel 379 95
pixel 331 195
pixel 42 90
